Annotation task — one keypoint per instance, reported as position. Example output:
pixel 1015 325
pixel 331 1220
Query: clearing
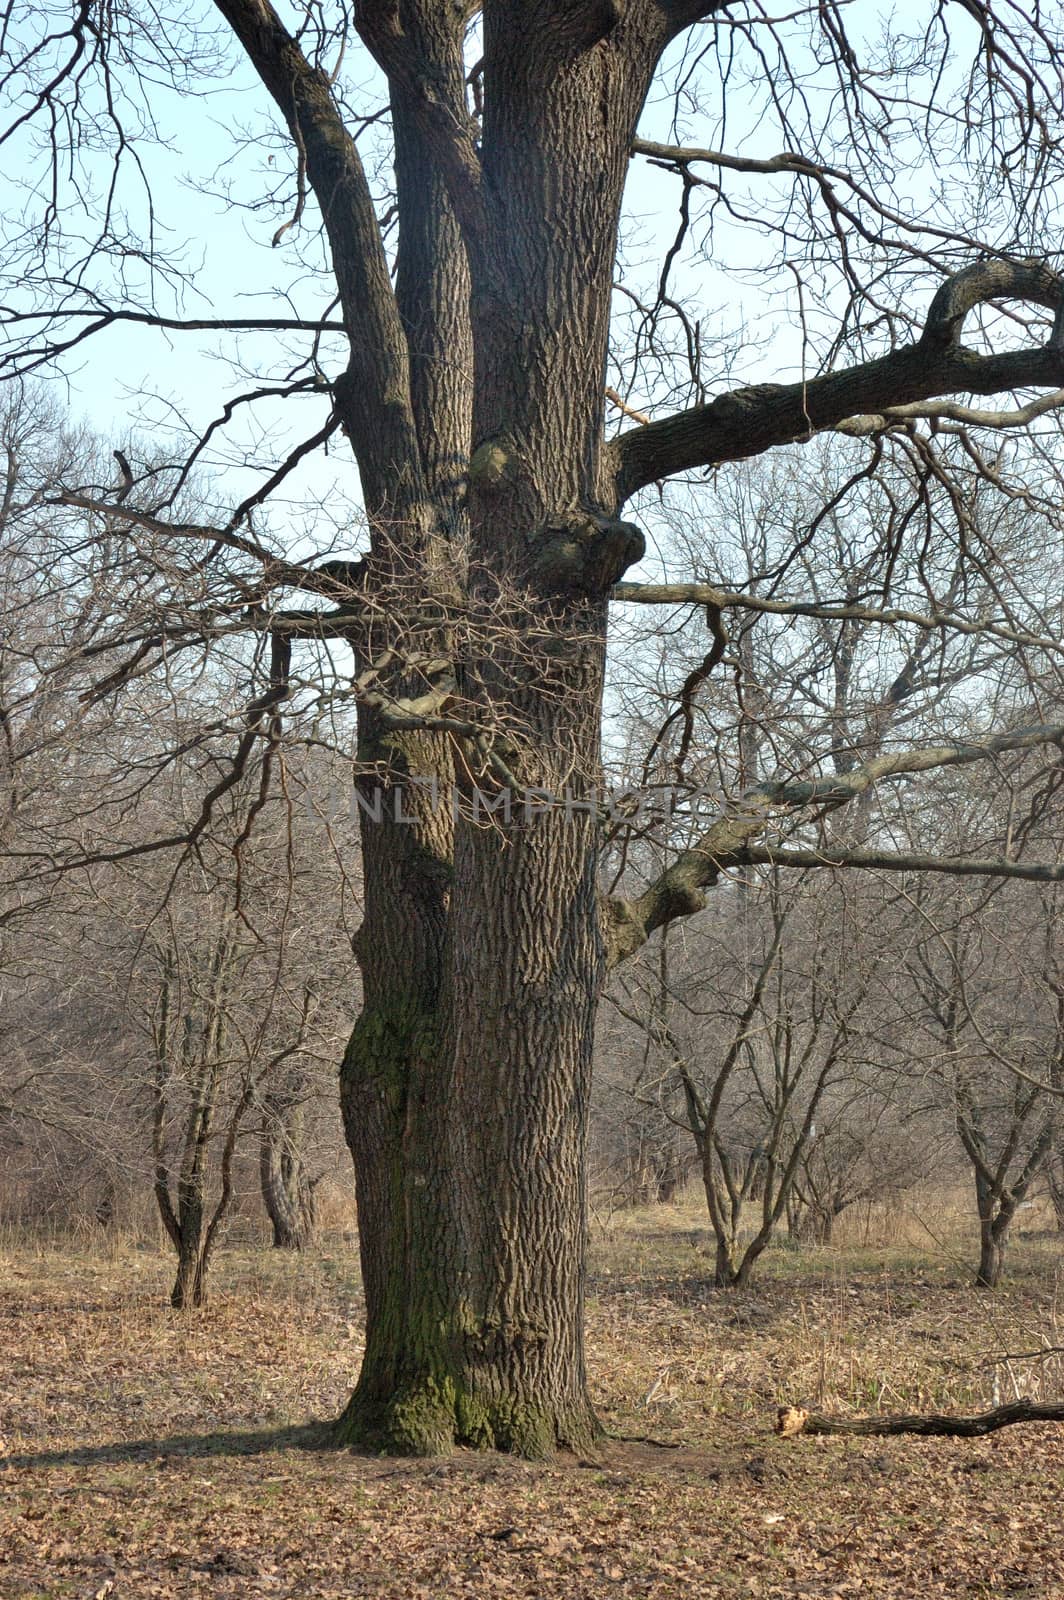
pixel 145 1452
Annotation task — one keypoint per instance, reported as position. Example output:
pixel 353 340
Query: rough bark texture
pixel 468 1077
pixel 473 401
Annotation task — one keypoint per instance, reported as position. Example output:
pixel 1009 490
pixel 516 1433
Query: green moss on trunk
pixel 434 1415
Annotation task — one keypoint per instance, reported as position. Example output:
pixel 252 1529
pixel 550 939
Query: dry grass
pixel 144 1452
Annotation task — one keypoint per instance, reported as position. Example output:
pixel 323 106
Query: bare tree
pixel 998 1050
pixel 861 1151
pixel 751 1079
pixel 471 385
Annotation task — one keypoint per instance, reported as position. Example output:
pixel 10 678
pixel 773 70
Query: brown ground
pixel 150 1453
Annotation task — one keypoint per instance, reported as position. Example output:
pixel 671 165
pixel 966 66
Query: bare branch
pixel 678 892
pixel 747 422
pixel 904 861
pixel 707 594
pixel 949 411
pixel 47 350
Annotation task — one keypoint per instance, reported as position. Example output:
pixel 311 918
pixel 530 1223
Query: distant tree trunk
pixel 1055 1179
pixel 287 1192
pixel 105 1205
pixel 670 1176
pixel 994 1224
pixel 997 1198
pixel 725 1275
pixel 821 1228
pixel 185 1225
pixel 813 1221
pixel 796 1216
pixel 190 1285
pixel 992 1246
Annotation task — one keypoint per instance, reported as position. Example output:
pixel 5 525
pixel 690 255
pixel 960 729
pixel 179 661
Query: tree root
pixel 791 1420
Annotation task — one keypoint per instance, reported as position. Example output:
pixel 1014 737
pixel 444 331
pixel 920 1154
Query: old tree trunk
pixel 467 1081
pixel 473 401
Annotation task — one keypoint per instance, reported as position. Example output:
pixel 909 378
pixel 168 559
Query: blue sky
pixel 142 389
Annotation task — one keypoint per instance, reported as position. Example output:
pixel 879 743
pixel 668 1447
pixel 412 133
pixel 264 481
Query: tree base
pixel 434 1418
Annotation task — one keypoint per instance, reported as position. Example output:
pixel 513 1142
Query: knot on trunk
pixel 493 463
pixel 585 552
pixel 624 930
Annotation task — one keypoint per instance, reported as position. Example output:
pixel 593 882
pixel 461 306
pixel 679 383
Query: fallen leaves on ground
pixel 151 1453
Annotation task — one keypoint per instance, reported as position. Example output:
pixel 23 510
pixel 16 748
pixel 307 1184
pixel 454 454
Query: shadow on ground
pixel 307 1436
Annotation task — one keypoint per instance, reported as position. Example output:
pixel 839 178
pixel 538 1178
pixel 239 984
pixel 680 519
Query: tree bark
pixel 725 1275
pixel 993 1243
pixel 473 400
pixel 389 1089
pixel 468 1078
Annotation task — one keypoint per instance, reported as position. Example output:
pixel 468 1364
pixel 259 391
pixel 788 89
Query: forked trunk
pixel 466 1083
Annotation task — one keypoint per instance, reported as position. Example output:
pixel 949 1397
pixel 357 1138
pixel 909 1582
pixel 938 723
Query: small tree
pixel 751 1082
pixel 999 1049
pixel 190 1038
pixel 209 1075
pixel 861 1152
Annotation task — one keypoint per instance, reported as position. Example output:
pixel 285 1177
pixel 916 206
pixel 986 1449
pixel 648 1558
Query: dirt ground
pixel 150 1453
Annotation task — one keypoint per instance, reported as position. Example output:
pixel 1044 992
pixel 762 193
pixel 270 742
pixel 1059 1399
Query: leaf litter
pixel 149 1453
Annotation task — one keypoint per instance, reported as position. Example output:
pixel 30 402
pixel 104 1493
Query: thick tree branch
pixel 707 594
pixel 419 48
pixel 949 411
pixel 793 1420
pixel 904 861
pixel 749 421
pixel 727 843
pixel 374 396
pixel 842 786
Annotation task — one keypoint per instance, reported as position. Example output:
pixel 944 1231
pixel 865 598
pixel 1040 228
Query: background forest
pixel 531 836
pixel 817 1041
